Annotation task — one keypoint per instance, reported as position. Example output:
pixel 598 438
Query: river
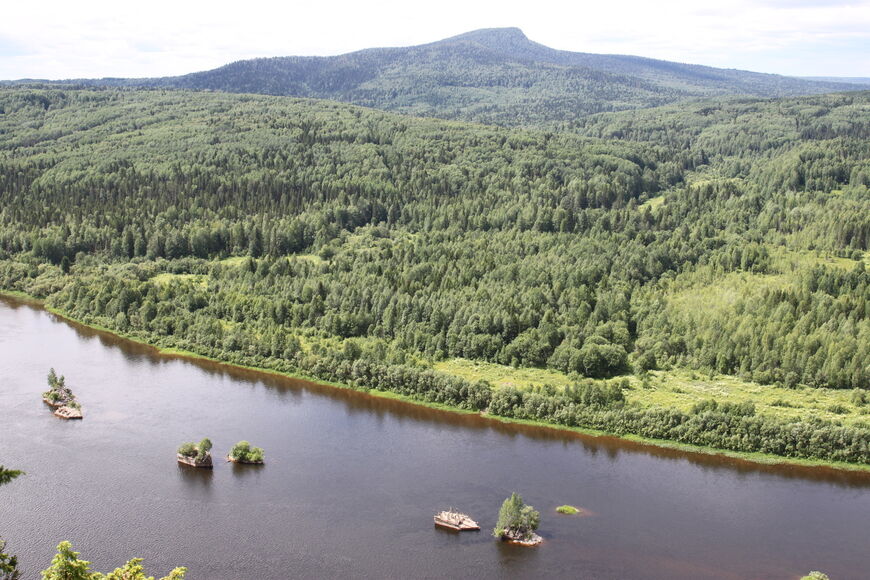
pixel 352 481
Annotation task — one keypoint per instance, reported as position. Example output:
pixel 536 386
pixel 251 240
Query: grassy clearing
pixel 682 389
pixel 166 279
pixel 787 260
pixel 500 376
pixel 653 203
pixel 705 293
pixel 313 258
pixel 699 293
pixel 233 261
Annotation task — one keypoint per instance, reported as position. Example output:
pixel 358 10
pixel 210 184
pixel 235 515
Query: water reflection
pixel 249 470
pixel 195 477
pixel 510 553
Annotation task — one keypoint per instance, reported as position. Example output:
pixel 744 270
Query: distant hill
pixel 492 75
pixel 851 80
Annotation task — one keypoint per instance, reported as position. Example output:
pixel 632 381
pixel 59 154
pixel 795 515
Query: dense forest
pixel 362 247
pixel 494 76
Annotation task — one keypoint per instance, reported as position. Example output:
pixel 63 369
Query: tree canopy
pixel 66 565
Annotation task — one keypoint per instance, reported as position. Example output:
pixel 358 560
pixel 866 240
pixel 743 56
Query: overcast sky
pixel 94 38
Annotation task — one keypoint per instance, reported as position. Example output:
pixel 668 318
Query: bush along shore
pixel 593 406
pixel 589 405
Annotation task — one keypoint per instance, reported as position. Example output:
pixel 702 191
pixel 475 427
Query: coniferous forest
pixel 723 237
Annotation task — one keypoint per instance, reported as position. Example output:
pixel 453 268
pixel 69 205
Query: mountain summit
pixel 507 40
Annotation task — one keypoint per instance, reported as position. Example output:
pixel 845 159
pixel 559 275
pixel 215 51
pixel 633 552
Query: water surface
pixel 352 481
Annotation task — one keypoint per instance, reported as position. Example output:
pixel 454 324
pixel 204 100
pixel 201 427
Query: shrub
pixel 187 450
pixel 242 451
pixel 204 447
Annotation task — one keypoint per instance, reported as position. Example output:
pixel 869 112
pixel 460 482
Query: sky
pixel 53 39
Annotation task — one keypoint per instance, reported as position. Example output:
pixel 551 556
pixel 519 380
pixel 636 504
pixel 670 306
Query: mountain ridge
pixel 492 75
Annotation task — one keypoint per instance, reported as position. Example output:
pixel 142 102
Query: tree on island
pixel 57 390
pixel 66 565
pixel 204 447
pixel 243 452
pixel 516 520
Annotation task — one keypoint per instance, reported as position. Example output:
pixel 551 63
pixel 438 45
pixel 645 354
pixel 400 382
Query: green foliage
pixel 8 564
pixel 516 518
pixel 242 451
pixel 745 409
pixel 188 450
pixel 203 448
pixel 7 475
pixel 133 570
pixel 197 450
pixel 66 565
pixel 567 509
pixel 816 576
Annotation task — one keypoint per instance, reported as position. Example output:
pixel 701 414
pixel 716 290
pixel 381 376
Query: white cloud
pixel 95 38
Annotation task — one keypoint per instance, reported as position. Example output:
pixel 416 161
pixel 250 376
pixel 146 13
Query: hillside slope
pixel 365 248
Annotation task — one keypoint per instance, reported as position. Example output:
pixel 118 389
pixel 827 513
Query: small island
pixel 517 522
pixel 61 398
pixel 196 455
pixel 242 452
pixel 568 510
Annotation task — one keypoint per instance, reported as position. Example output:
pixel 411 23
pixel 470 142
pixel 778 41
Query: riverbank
pixel 641 442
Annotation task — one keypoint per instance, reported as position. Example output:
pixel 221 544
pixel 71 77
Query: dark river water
pixel 352 482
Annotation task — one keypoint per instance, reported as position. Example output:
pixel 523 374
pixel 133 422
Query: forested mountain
pixel 725 236
pixel 495 76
